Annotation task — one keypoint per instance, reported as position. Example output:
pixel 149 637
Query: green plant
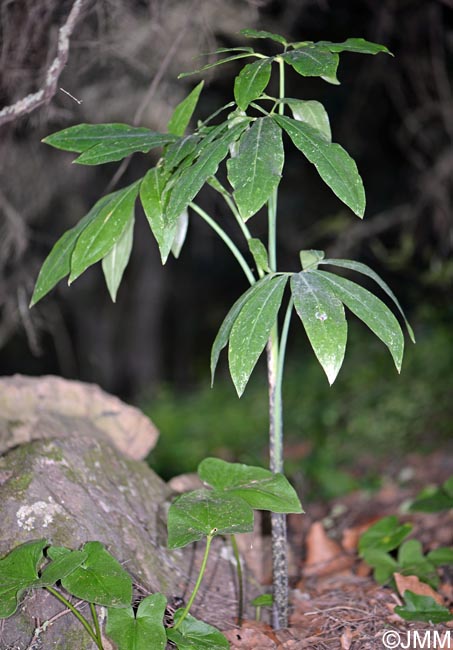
pixel 434 499
pixel 96 577
pixel 251 137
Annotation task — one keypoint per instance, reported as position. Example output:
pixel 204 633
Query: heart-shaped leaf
pixel 18 572
pixel 115 262
pixel 422 608
pixel 196 635
pixel 64 562
pixel 100 579
pixel 323 318
pixel 183 112
pixel 262 489
pixel 141 631
pixel 251 82
pixel 200 513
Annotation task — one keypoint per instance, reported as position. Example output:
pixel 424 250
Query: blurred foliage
pixel 335 436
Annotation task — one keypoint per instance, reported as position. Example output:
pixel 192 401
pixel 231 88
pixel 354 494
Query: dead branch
pixel 44 95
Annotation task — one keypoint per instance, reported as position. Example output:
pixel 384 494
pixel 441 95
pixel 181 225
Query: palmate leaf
pixel 337 169
pixel 153 202
pixel 193 634
pixel 18 572
pixel 370 309
pixel 256 170
pixel 251 82
pixel 58 263
pixel 100 579
pixel 262 489
pixel 104 230
pixel 359 45
pixel 312 113
pixel 225 329
pixel 323 318
pixel 101 143
pixel 183 112
pixel 251 330
pixel 200 513
pixel 142 630
pixel 115 262
pixel 310 60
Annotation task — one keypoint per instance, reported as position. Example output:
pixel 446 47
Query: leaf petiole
pixel 80 617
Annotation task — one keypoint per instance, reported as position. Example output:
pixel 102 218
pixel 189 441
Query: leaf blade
pixel 140 631
pixel 18 572
pixel 311 60
pixel 251 82
pixel 183 112
pixel 196 635
pixel 115 262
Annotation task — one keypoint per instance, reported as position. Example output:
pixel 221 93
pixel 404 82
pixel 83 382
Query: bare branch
pixel 44 95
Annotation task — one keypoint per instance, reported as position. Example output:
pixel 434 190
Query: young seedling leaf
pixel 370 309
pixel 100 579
pixel 180 234
pixel 385 535
pixel 194 177
pixel 115 262
pixel 366 270
pixel 18 572
pixel 104 230
pixel 262 489
pixel 141 631
pixel 310 259
pixel 251 330
pixel 261 33
pixel 359 45
pixel 412 562
pixel 225 329
pixel 384 565
pixel 440 556
pixel 448 486
pixel 256 170
pixel 422 608
pixel 183 112
pixel 322 315
pixel 259 252
pixel 251 82
pixel 61 566
pixel 310 60
pixel 196 635
pixel 208 66
pixel 264 600
pixel 57 265
pixel 200 513
pixel 435 501
pixel 312 113
pixel 335 166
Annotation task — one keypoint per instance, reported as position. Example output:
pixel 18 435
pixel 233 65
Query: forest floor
pixel 335 601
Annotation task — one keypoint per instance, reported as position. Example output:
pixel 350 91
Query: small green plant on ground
pixel 251 138
pixel 224 508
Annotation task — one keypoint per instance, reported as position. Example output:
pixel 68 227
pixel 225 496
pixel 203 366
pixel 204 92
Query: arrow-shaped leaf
pixel 323 318
pixel 115 262
pixel 141 631
pixel 251 330
pixel 251 82
pixel 256 170
pixel 193 634
pixel 337 169
pixel 18 572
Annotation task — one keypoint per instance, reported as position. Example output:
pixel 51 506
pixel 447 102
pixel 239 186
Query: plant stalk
pixel 80 617
pixel 237 557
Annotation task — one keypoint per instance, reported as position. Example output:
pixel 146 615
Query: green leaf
pixel 153 202
pixel 192 179
pixel 422 608
pixel 183 112
pixel 440 556
pixel 448 486
pixel 196 635
pixel 180 234
pixel 251 330
pixel 261 33
pixel 115 262
pixel 322 315
pixel 182 149
pixel 383 564
pixel 311 60
pixel 208 66
pixel 359 45
pixel 264 600
pixel 370 309
pixel 312 113
pixel 262 489
pixel 104 230
pixel 251 82
pixel 58 263
pixel 256 170
pixel 141 631
pixel 62 565
pixel 366 270
pixel 101 143
pixel 225 329
pixel 200 513
pixel 434 502
pixel 337 169
pixel 259 252
pixel 100 579
pixel 18 572
pixel 412 562
pixel 385 535
pixel 310 259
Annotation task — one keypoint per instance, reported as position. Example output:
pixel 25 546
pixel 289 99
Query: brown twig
pixel 44 95
pixel 35 642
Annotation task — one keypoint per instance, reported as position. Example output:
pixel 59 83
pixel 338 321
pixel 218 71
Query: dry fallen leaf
pixel 346 639
pixel 412 583
pixel 324 555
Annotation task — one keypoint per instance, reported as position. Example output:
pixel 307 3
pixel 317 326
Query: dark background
pixel 393 115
